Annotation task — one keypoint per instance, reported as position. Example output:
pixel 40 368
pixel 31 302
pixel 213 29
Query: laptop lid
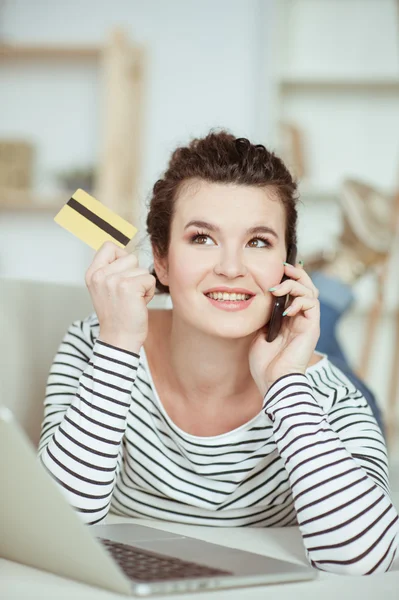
pixel 38 527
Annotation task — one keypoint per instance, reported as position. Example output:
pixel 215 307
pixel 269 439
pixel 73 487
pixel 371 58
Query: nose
pixel 230 264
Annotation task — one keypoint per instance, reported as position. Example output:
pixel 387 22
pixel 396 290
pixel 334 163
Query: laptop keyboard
pixel 143 565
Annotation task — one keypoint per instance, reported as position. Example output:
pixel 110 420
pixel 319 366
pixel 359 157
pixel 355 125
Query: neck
pixel 208 367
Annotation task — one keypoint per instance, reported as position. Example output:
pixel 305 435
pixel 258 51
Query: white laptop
pixel 40 529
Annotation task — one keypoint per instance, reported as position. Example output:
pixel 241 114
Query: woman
pixel 243 432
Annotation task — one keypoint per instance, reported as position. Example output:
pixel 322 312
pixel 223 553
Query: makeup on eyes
pixel 198 234
pixel 256 230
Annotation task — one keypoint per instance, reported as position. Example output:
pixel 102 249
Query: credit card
pixel 94 223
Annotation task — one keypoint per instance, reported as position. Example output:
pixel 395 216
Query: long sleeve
pixel 87 400
pixel 337 467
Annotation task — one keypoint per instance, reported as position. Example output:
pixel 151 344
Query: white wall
pixel 203 71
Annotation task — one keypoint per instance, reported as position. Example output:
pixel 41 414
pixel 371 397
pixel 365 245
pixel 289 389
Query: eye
pixel 261 243
pixel 200 239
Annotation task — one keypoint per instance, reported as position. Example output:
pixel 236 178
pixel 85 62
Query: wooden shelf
pixel 366 83
pixel 27 200
pixel 49 52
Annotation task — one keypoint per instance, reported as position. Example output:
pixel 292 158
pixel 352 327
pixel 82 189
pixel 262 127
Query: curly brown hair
pixel 218 157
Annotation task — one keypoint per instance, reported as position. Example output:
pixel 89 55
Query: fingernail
pixel 286 264
pixel 272 289
pixel 285 312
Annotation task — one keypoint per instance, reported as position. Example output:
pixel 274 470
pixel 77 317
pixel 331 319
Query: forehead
pixel 226 204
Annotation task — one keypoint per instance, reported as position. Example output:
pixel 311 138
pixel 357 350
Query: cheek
pixel 269 273
pixel 183 269
pixel 276 274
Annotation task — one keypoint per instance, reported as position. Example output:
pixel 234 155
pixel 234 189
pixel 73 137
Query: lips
pixel 230 305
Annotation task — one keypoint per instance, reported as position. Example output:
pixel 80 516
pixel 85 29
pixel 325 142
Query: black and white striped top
pixel 314 456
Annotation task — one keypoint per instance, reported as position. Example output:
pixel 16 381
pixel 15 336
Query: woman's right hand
pixel 120 292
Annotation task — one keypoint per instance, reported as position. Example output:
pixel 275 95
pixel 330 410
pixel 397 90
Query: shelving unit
pixel 341 99
pixel 122 69
pixel 356 81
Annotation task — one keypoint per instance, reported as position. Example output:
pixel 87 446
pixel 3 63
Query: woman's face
pixel 225 238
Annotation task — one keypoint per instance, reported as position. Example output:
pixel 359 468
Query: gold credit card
pixel 94 223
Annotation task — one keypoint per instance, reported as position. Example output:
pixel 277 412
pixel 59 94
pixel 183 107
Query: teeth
pixel 224 296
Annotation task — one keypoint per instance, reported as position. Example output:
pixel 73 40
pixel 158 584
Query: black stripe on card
pixel 96 220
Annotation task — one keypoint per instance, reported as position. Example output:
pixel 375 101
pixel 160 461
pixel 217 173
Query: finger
pixel 124 263
pixel 294 288
pixel 301 304
pixel 116 280
pixel 298 273
pixel 105 255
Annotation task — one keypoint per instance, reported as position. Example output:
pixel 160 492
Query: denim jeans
pixel 335 298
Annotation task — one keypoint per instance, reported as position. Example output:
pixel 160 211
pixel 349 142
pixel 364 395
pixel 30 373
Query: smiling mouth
pixel 225 297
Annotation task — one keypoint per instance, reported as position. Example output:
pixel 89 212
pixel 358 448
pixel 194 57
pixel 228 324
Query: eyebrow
pixel 251 230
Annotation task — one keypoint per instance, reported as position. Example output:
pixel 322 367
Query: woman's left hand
pixel 294 345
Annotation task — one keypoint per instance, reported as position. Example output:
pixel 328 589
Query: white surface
pixel 18 582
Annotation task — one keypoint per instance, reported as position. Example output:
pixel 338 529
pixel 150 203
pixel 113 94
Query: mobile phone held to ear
pixel 279 303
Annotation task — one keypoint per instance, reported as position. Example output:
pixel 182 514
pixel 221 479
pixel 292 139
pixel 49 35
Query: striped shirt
pixel 314 456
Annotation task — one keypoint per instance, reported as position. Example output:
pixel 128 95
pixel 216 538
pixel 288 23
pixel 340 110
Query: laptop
pixel 40 529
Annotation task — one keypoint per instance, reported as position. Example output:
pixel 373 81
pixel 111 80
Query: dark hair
pixel 217 158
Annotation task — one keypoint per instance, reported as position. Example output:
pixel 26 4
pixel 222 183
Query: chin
pixel 233 331
pixel 221 324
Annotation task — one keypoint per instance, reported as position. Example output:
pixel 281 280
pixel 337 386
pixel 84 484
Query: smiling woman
pixel 190 414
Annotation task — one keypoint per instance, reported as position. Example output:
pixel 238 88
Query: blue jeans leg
pixel 335 299
pixel 328 343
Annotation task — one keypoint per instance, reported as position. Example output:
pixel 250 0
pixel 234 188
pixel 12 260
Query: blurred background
pixel 98 94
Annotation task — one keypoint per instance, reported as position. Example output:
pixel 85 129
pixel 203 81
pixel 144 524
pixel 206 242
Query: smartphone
pixel 279 303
